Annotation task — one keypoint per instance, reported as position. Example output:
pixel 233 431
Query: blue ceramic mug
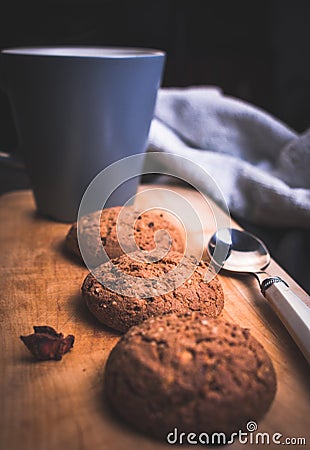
pixel 76 111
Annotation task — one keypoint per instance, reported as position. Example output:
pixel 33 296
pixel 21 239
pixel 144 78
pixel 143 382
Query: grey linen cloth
pixel 260 164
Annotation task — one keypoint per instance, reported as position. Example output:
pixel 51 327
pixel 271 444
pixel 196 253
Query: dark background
pixel 254 50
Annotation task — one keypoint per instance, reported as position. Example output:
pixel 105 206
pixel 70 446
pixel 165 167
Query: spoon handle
pixel 292 311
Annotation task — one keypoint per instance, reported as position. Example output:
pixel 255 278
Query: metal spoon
pixel 238 251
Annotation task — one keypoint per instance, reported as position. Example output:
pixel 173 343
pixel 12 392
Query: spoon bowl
pixel 244 251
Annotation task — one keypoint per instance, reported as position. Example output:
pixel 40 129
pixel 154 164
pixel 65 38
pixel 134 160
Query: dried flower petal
pixel 46 343
pixel 46 330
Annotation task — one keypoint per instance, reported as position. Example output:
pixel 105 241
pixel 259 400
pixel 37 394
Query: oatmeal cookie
pixel 190 372
pixel 126 290
pixel 146 225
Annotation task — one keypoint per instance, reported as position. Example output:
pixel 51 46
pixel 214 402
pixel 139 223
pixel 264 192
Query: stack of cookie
pixel 178 366
pixel 119 305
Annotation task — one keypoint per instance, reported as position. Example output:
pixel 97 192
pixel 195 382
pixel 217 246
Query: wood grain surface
pixel 60 405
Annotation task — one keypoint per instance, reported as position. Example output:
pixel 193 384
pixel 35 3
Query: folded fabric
pixel 260 165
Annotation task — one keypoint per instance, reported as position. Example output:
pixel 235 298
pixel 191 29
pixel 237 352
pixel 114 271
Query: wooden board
pixel 59 405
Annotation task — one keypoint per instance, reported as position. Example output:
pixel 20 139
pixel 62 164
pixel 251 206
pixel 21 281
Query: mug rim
pixel 116 52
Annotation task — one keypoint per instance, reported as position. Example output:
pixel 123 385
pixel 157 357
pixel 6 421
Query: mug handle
pixel 8 160
pixel 11 161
